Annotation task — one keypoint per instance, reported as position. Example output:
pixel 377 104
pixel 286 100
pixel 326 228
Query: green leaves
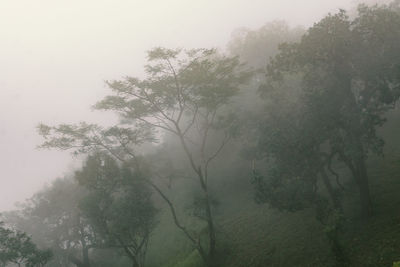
pixel 326 96
pixel 177 83
pixel 84 138
pixel 162 53
pixel 118 204
pixel 17 247
pixel 183 93
pixel 348 71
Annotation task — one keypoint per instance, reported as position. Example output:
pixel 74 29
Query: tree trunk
pixel 363 184
pixel 210 223
pixel 85 255
pixel 356 162
pixel 211 230
pixel 208 258
pixel 335 201
pixel 358 169
pixel 135 263
pixel 76 261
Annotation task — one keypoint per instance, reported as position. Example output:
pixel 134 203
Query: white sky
pixel 55 55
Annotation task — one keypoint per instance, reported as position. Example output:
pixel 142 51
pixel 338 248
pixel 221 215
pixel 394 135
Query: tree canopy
pixel 17 247
pixel 185 94
pixel 349 77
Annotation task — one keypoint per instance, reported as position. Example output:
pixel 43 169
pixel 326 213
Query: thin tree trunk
pixel 211 229
pixel 335 201
pixel 363 184
pixel 210 222
pixel 195 243
pixel 85 254
pixel 209 259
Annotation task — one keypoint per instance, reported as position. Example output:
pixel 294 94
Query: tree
pixel 118 206
pixel 17 247
pixel 256 47
pixel 296 165
pixel 350 76
pixel 54 219
pixel 63 216
pixel 184 95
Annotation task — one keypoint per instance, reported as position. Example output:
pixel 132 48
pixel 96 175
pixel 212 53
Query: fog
pixel 56 55
pixel 172 133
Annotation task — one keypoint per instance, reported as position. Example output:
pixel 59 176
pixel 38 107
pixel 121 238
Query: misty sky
pixel 56 54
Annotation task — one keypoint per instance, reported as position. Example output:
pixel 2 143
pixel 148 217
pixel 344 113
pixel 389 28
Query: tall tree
pixel 118 206
pixel 297 173
pixel 184 95
pixel 350 76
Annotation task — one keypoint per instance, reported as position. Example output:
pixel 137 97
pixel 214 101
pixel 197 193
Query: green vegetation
pixel 17 247
pixel 284 152
pixel 256 239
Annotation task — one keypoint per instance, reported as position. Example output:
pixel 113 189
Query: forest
pixel 281 150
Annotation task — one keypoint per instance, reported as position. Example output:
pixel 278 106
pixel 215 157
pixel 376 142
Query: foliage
pixel 325 98
pixel 84 137
pixel 118 206
pixel 256 47
pixel 17 247
pixel 52 215
pixel 183 95
pixel 349 77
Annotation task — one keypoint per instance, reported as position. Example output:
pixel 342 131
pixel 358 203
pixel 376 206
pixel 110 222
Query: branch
pixel 157 107
pixel 189 126
pixel 332 171
pixel 204 139
pixel 223 143
pixel 178 89
pixel 216 153
pixel 148 99
pixel 173 212
pixel 167 128
pixel 187 151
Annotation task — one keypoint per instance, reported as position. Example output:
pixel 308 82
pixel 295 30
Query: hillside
pixel 257 236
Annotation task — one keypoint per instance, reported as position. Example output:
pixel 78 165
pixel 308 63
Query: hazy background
pixel 55 56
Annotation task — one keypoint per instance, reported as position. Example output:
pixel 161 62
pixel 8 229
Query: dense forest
pixel 281 150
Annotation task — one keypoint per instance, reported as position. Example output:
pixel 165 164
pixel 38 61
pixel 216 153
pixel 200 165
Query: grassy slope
pixel 256 236
pixel 377 242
